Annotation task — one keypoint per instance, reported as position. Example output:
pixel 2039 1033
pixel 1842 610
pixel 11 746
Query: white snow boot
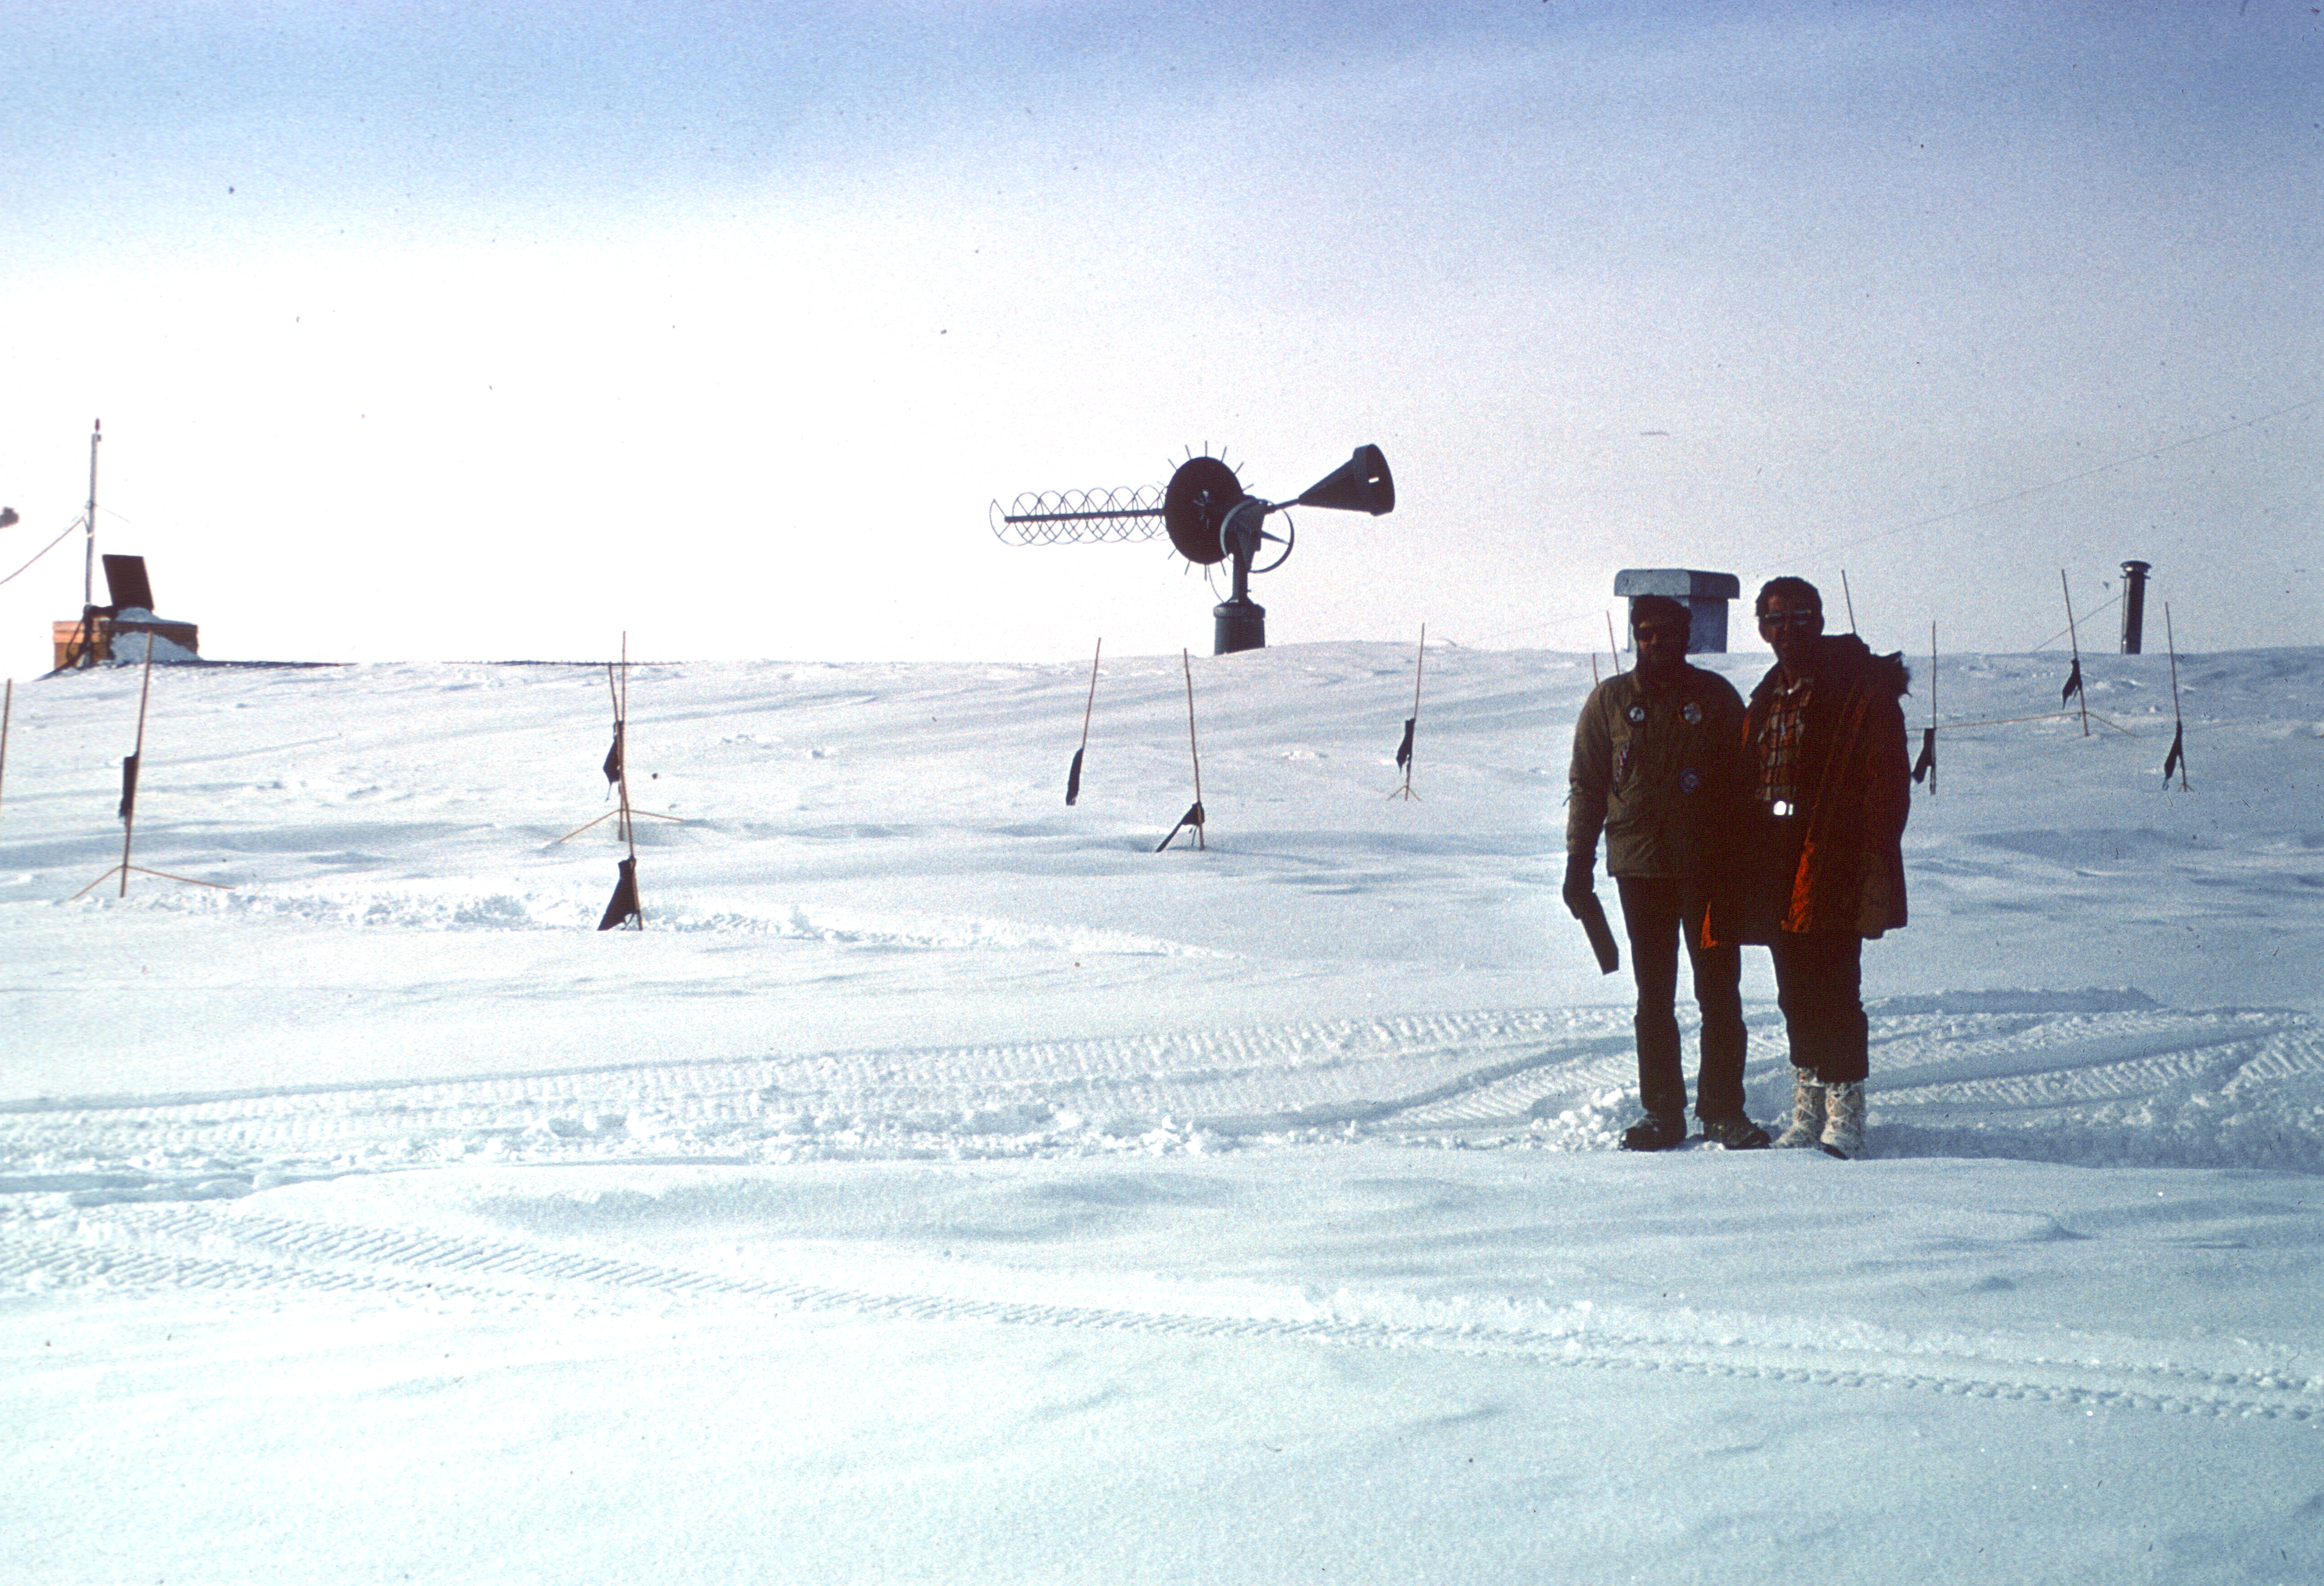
pixel 1843 1123
pixel 1806 1128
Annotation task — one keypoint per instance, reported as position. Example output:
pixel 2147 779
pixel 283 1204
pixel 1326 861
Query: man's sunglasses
pixel 1662 630
pixel 1790 619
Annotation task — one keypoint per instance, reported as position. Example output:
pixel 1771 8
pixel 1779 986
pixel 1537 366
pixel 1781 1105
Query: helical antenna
pixel 1067 517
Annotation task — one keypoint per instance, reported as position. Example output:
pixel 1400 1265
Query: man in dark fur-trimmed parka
pixel 1824 750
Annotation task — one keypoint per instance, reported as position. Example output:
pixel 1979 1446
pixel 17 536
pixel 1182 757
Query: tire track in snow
pixel 1277 1077
pixel 201 1249
pixel 2191 1088
pixel 2084 1058
pixel 1195 1056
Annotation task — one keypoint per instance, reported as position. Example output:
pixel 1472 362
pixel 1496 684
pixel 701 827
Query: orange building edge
pixel 70 638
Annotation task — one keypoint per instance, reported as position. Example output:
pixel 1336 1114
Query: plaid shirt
pixel 1779 745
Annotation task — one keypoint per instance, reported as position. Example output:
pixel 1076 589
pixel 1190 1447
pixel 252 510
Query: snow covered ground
pixel 946 1186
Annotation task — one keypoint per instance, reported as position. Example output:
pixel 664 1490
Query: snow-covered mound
pixel 952 1155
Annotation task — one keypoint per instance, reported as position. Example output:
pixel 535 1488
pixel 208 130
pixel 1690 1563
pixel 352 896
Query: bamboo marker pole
pixel 621 748
pixel 1193 747
pixel 617 762
pixel 1611 646
pixel 1089 704
pixel 1933 708
pixel 1412 727
pixel 1849 598
pixel 624 909
pixel 7 709
pixel 2081 691
pixel 130 771
pixel 622 727
pixel 129 805
pixel 1194 815
pixel 2178 722
pixel 1074 774
pixel 629 823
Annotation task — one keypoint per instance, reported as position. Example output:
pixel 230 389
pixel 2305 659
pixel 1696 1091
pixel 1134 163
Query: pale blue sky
pixel 430 330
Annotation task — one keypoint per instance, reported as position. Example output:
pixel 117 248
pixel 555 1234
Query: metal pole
pixel 88 560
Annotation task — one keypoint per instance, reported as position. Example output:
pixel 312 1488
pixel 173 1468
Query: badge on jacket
pixel 1637 713
pixel 1693 712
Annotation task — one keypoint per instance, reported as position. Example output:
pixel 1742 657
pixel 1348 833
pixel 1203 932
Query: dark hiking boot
pixel 1736 1133
pixel 1657 1131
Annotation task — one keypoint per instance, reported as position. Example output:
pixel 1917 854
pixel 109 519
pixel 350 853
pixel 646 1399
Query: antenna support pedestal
pixel 1238 624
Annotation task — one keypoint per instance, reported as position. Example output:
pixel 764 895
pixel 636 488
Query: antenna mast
pixel 88 557
pixel 88 561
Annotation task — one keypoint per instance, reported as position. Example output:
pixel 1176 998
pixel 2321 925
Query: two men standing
pixel 1783 826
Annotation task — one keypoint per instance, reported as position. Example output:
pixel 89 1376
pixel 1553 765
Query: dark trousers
pixel 1820 987
pixel 1657 912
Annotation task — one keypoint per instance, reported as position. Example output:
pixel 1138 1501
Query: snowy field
pixel 945 1186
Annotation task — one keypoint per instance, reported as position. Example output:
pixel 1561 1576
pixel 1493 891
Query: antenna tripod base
pixel 1239 623
pixel 126 871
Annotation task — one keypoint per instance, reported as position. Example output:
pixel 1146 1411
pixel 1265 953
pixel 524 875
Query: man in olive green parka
pixel 1657 768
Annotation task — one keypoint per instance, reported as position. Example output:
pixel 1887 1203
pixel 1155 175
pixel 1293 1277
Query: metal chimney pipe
pixel 2133 606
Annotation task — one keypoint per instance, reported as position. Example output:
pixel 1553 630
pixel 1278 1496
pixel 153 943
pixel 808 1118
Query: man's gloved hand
pixel 1578 887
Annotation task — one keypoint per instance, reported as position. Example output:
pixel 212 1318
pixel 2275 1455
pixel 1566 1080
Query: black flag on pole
pixel 2176 758
pixel 1404 749
pixel 1193 817
pixel 2073 682
pixel 623 908
pixel 128 786
pixel 1073 778
pixel 1927 763
pixel 614 759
